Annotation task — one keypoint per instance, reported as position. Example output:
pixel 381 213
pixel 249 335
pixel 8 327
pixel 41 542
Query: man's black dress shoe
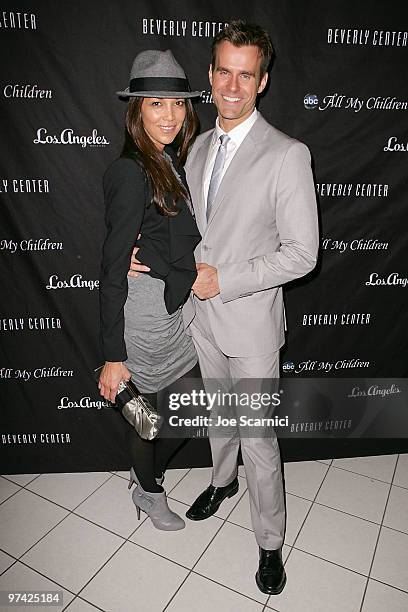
pixel 208 502
pixel 271 576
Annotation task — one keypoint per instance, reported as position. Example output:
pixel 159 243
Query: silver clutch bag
pixel 136 409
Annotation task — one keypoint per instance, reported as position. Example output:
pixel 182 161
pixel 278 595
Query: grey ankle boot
pixel 156 507
pixel 133 479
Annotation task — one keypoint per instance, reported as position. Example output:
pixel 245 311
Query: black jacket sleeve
pixel 125 198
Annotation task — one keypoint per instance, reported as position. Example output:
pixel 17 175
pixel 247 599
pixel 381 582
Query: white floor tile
pixel 326 461
pixel 381 467
pixel 401 473
pixel 76 549
pixel 21 578
pixel 339 537
pixel 172 477
pixel 7 489
pixel 135 579
pixel 391 559
pixel 241 471
pixel 124 475
pixel 296 510
pixel 68 490
pixel 5 561
pixel 358 495
pixel 111 507
pixel 72 552
pixel 79 605
pixel 196 481
pixel 232 559
pixel 202 595
pixel 241 514
pixel 396 514
pixel 303 478
pixel 380 597
pixel 24 519
pixel 183 546
pixel 21 479
pixel 315 585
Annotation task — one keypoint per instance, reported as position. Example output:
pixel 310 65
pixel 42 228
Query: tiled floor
pixel 346 546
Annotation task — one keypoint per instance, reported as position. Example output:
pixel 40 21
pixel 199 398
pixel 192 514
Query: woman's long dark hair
pixel 138 144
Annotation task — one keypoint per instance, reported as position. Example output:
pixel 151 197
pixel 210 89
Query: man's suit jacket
pixel 262 232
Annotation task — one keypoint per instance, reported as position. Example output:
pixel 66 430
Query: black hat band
pixel 158 84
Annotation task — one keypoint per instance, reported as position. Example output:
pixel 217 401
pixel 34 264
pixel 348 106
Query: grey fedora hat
pixel 157 74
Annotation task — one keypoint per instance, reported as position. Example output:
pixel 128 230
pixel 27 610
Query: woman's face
pixel 162 119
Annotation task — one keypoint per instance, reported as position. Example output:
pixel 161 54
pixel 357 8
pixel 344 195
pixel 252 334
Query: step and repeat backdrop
pixel 338 84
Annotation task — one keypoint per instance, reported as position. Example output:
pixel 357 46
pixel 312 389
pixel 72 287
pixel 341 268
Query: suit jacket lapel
pixel 196 183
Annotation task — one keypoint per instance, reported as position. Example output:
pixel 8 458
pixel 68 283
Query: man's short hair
pixel 240 33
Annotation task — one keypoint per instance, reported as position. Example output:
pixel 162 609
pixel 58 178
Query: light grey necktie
pixel 217 172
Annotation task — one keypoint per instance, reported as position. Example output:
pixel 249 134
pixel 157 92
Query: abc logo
pixel 310 101
pixel 288 366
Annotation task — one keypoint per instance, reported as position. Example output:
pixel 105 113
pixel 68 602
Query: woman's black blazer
pixel 166 246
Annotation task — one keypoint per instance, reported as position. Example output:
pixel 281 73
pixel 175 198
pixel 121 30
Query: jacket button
pixel 205 247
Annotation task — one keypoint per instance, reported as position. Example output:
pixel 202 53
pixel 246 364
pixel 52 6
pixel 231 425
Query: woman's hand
pixel 112 374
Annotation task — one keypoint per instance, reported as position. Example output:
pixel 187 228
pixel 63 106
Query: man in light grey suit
pixel 254 199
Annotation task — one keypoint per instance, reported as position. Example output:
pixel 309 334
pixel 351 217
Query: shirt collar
pixel 238 133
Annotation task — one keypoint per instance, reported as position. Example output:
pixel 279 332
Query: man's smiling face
pixel 236 81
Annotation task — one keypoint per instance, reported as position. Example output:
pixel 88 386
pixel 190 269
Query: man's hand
pixel 206 284
pixel 135 265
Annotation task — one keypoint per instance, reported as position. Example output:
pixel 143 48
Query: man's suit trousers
pixel 260 455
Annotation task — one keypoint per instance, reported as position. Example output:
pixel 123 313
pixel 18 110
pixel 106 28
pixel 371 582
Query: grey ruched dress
pixel 159 350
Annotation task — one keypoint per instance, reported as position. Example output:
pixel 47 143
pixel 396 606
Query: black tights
pixel 149 458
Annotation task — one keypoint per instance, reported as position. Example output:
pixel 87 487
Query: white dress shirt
pixel 236 135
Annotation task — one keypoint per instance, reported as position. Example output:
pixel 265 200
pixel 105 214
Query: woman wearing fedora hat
pixel 147 204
